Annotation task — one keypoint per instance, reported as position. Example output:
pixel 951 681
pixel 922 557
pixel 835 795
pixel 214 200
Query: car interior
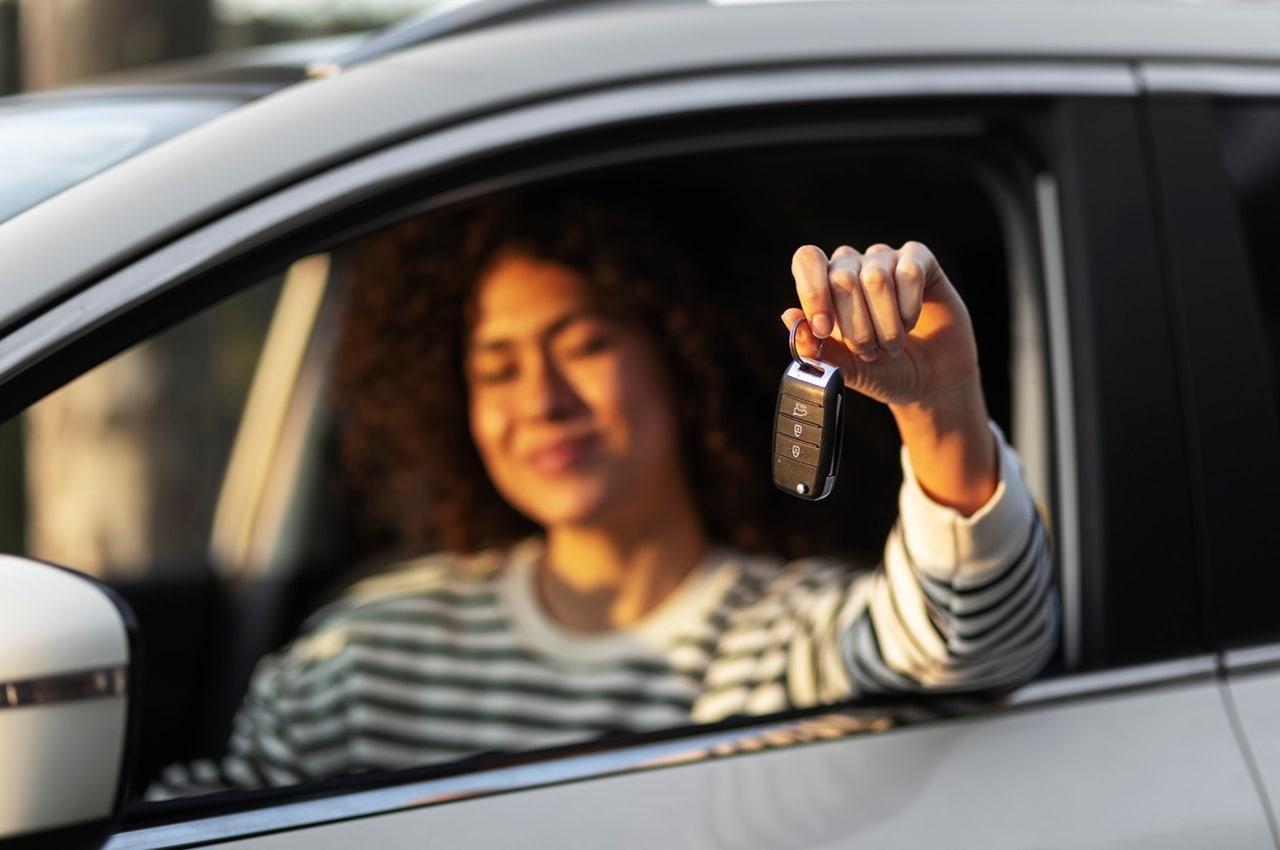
pixel 283 537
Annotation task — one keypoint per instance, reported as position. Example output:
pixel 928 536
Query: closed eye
pixel 589 346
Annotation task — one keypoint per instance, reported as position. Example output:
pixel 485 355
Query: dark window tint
pixel 1250 138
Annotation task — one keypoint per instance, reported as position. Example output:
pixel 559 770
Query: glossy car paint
pixel 1254 696
pixel 1097 774
pixel 61 739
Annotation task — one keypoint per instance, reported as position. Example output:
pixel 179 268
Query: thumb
pixel 832 350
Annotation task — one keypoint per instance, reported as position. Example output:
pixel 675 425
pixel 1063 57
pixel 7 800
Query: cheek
pixel 489 424
pixel 630 393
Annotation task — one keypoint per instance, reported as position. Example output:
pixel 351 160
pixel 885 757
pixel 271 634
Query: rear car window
pixel 1249 132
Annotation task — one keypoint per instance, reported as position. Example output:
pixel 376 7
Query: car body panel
pixel 1096 774
pixel 1254 693
pixel 292 133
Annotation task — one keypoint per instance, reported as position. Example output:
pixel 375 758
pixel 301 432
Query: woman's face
pixel 570 409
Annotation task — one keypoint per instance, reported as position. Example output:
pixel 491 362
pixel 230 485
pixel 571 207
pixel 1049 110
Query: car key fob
pixel 808 426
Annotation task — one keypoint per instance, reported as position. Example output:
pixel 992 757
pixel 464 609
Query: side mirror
pixel 69 689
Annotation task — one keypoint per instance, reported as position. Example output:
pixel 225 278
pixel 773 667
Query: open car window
pixel 359 582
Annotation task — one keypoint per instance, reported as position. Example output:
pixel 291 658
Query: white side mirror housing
pixel 67 698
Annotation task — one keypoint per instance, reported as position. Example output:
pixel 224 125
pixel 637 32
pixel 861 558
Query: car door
pixel 1081 760
pixel 1087 758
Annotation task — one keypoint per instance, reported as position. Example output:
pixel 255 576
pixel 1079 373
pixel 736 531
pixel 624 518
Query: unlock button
pixel 795 450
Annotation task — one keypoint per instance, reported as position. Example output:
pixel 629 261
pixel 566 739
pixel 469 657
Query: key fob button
pixel 796 450
pixel 796 477
pixel 802 409
pixel 802 431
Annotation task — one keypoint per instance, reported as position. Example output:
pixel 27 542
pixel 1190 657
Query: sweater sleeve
pixel 294 723
pixel 956 604
pixel 273 741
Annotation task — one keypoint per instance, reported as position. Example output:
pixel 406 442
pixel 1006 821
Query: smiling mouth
pixel 564 455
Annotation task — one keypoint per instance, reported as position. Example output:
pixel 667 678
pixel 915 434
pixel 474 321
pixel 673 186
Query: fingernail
pixel 867 358
pixel 821 325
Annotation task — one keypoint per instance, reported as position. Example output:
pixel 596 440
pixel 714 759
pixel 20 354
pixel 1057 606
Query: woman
pixel 559 354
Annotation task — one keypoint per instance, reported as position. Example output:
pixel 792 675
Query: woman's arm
pixel 964 597
pixel 958 602
pixel 952 450
pixel 260 754
pixel 263 750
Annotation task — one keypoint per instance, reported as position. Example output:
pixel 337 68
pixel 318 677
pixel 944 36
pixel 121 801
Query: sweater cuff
pixel 952 547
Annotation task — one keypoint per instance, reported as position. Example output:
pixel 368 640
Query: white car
pixel 1103 183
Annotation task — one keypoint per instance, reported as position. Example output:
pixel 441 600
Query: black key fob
pixel 808 427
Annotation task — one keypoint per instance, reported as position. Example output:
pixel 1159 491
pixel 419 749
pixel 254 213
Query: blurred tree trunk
pixel 10 77
pixel 64 41
pixel 110 458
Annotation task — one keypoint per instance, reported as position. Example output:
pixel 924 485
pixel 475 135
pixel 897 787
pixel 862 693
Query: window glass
pixel 123 465
pixel 1248 132
pixel 1250 137
pixel 500 477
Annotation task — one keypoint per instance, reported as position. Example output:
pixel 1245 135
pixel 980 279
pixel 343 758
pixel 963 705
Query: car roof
pixel 299 130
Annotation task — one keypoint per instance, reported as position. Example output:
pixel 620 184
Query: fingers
pixel 856 329
pixel 809 267
pixel 917 268
pixel 881 291
pixel 871 300
pixel 910 291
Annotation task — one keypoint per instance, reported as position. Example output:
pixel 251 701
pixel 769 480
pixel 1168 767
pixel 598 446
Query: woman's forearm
pixel 952 449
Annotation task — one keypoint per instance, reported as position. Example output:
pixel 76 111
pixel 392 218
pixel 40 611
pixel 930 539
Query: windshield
pixel 46 147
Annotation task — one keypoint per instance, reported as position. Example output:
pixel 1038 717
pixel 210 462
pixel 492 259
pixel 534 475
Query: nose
pixel 545 392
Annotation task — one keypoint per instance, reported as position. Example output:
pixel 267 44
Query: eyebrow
pixel 551 330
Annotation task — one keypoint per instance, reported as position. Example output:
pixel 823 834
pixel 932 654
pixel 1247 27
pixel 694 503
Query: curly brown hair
pixel 414 472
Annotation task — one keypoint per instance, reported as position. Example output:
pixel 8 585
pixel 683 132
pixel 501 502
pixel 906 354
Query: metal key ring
pixel 791 341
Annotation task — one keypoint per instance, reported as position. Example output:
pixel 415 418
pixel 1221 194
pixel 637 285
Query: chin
pixel 551 503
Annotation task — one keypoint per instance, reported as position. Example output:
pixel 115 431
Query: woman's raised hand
pixel 891 319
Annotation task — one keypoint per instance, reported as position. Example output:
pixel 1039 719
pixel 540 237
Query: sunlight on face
pixel 569 408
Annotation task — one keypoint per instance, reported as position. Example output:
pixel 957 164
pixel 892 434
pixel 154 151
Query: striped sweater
pixel 451 655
